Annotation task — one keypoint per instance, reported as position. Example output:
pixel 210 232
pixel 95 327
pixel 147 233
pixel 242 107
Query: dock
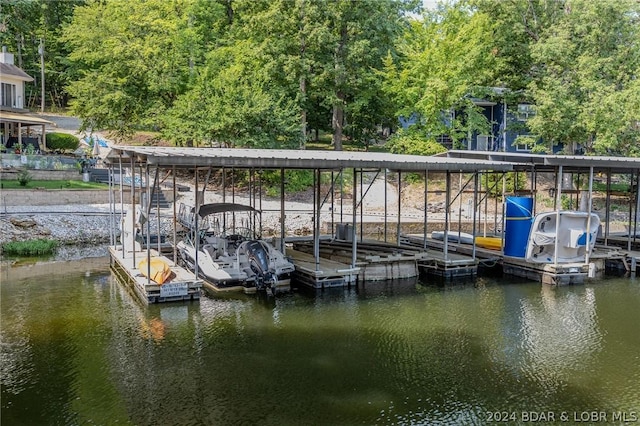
pixel 325 274
pixel 183 286
pixel 376 261
pixel 600 260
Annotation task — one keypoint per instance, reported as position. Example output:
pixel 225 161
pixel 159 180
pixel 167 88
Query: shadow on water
pixel 82 349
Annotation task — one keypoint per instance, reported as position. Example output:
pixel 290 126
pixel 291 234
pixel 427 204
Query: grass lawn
pixel 324 144
pixel 54 184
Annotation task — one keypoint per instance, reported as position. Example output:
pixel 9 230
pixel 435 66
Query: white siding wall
pixel 19 101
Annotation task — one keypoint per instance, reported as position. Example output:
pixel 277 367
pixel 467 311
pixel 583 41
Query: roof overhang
pixel 23 119
pixel 292 159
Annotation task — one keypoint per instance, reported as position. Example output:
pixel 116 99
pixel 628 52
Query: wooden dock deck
pixel 183 286
pixel 571 273
pixel 377 261
pixel 327 273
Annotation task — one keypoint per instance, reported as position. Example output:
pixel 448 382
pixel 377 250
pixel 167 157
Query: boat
pixel 158 270
pixel 576 236
pixel 491 243
pixel 453 237
pixel 229 253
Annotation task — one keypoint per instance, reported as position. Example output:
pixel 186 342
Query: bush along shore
pixel 29 248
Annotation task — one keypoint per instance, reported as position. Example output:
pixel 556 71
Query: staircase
pixel 101 175
pixel 158 200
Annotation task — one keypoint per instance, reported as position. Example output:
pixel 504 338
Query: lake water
pixel 77 348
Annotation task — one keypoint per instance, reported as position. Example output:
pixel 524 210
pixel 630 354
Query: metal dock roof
pixel 524 161
pixel 294 159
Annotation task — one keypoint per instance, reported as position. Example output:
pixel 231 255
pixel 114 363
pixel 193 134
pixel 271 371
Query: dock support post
pixel 607 208
pixel 175 217
pixel 150 189
pixel 475 203
pixel 196 232
pixel 282 216
pixel 121 204
pixel 589 207
pixel 385 205
pixel 354 240
pixel 637 213
pixel 630 211
pixel 445 248
pixel 112 209
pixel 426 204
pixel 133 211
pixel 316 219
pixel 559 206
pixel 399 207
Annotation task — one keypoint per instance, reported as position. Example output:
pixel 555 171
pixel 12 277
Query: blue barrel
pixel 518 218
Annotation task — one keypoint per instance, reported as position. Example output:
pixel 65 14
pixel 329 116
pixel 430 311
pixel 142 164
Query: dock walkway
pixel 182 286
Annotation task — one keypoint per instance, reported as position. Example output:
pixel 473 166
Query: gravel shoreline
pixel 89 224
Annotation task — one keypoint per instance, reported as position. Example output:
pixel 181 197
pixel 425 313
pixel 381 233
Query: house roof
pixel 23 119
pixel 12 70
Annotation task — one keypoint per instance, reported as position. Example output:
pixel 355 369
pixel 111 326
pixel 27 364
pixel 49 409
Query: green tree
pixel 233 103
pixel 133 59
pixel 25 24
pixel 444 59
pixel 577 61
pixel 586 83
pixel 358 35
pixel 292 59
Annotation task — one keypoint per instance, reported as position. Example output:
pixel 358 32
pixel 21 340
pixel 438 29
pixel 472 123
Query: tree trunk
pixel 303 81
pixel 337 120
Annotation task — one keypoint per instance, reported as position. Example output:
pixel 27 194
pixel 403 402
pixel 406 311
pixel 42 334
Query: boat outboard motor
pixel 259 263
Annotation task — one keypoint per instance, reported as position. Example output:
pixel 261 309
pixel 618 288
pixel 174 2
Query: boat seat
pixel 544 238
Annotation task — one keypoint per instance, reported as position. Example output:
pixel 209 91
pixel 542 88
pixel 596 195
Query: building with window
pixel 506 124
pixel 16 122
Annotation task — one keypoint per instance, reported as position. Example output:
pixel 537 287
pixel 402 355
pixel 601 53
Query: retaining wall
pixel 43 197
pixel 12 174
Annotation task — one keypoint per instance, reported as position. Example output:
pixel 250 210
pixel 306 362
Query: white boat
pixel 453 237
pixel 230 255
pixel 573 239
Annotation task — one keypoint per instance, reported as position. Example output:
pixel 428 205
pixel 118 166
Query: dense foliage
pixel 270 73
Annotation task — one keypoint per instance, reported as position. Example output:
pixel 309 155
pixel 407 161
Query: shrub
pixel 493 183
pixel 29 247
pixel 295 181
pixel 24 177
pixel 62 141
pixel 414 142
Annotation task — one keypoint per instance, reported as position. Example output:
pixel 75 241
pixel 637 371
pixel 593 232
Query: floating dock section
pixel 379 261
pixel 325 274
pixel 181 287
pixel 455 265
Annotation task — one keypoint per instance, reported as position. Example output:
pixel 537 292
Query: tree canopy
pixel 264 73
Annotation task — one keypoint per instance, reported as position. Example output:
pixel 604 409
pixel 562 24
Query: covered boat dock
pixel 321 260
pixel 578 179
pixel 338 254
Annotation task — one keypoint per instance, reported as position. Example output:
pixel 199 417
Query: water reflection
pixel 79 348
pixel 560 333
